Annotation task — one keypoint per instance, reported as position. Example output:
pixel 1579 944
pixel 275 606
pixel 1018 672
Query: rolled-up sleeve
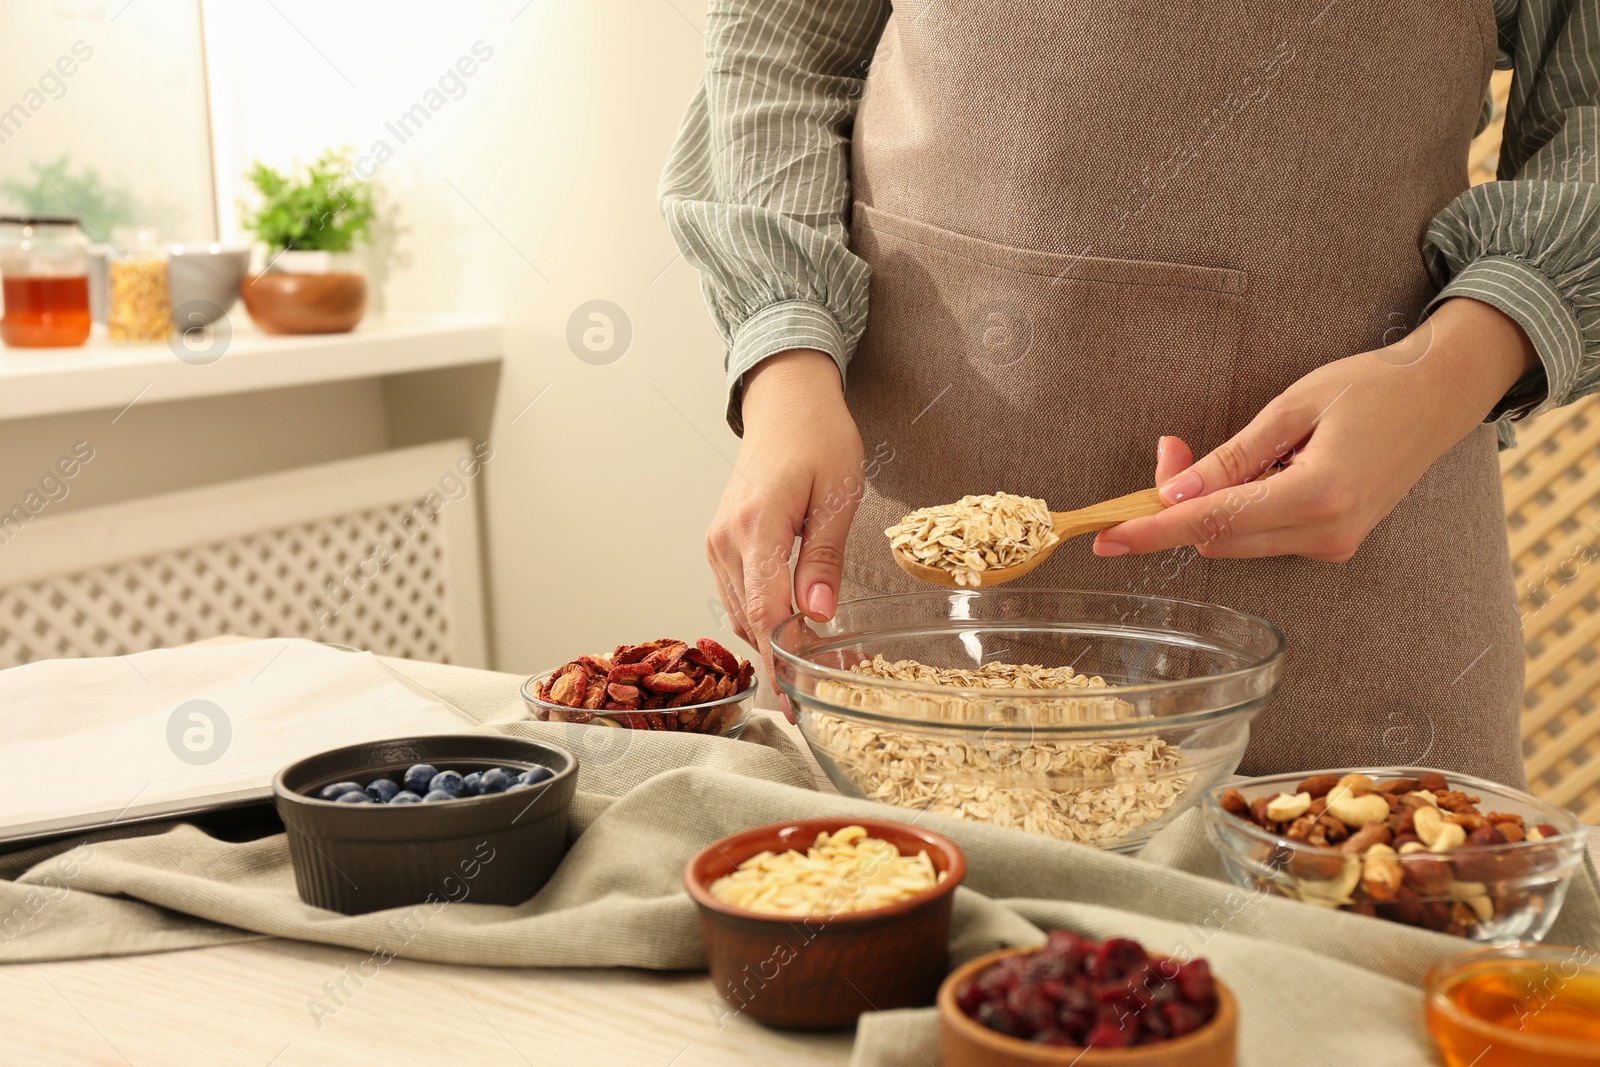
pixel 1529 243
pixel 757 189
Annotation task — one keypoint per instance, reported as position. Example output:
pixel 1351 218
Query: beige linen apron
pixel 1090 224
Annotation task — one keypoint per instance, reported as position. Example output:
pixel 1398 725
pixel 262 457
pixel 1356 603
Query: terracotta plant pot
pixel 285 302
pixel 965 1042
pixel 821 973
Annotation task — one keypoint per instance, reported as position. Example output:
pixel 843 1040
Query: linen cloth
pixel 648 801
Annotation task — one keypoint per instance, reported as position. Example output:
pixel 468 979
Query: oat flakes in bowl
pixel 1088 717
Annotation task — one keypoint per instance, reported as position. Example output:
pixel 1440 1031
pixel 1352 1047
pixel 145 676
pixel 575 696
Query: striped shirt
pixel 757 189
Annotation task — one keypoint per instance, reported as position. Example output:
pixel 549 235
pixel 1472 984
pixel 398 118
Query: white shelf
pixel 100 375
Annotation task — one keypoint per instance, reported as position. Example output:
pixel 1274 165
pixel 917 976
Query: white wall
pixel 527 196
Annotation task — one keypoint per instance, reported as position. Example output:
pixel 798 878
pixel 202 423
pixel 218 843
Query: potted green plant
pixel 310 221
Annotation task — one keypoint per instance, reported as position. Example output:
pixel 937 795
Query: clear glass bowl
pixel 1524 884
pixel 1106 767
pixel 1516 1006
pixel 724 718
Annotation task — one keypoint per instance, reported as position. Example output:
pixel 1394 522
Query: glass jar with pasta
pixel 140 305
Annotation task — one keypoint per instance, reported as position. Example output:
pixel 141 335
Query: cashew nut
pixel 1476 897
pixel 1286 807
pixel 1335 891
pixel 1355 812
pixel 1425 796
pixel 1435 832
pixel 1380 872
pixel 1412 846
pixel 1533 834
pixel 1353 782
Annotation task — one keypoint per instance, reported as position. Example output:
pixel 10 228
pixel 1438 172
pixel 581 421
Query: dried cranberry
pixel 1108 1035
pixel 968 996
pixel 1068 947
pixel 1121 995
pixel 1183 1018
pixel 1045 967
pixel 1053 1037
pixel 1115 957
pixel 996 1016
pixel 1195 984
pixel 1154 1023
pixel 1033 1009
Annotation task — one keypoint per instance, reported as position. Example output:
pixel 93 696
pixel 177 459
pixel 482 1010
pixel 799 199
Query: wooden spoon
pixel 1066 524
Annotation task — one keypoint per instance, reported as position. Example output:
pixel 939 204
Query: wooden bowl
pixel 282 301
pixel 965 1042
pixel 821 973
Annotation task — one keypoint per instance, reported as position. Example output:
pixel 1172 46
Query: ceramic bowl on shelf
pixel 203 282
pixel 495 849
pixel 307 292
pixel 821 972
pixel 1101 766
pixel 1510 892
pixel 965 1042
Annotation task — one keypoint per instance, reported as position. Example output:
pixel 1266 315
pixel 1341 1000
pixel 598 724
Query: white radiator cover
pixel 378 553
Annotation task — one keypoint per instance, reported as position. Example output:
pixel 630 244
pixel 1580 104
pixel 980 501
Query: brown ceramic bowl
pixel 965 1042
pixel 821 973
pixel 282 301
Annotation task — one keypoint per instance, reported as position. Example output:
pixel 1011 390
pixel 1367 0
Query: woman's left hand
pixel 1353 435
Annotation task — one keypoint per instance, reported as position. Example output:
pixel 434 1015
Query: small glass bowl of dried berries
pixel 1076 1001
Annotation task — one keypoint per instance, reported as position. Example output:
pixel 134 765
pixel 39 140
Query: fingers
pixel 1327 547
pixel 1242 458
pixel 1173 457
pixel 817 571
pixel 1223 516
pixel 731 594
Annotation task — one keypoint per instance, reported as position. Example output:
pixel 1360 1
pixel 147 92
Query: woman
pixel 1092 237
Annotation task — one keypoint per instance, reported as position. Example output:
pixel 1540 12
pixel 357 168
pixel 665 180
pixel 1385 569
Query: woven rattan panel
pixel 369 579
pixel 1552 487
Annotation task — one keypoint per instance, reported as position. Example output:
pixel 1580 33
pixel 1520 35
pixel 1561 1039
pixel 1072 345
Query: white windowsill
pixel 100 375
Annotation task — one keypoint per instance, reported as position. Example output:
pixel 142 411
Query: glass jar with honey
pixel 1517 1006
pixel 44 271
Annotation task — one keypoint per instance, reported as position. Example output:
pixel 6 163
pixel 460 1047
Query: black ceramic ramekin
pixel 497 849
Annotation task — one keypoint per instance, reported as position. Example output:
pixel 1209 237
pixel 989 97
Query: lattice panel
pixel 1552 488
pixel 326 580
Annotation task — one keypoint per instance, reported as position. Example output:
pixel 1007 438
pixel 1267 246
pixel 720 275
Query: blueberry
pixel 495 780
pixel 358 797
pixel 471 785
pixel 446 782
pixel 437 794
pixel 417 778
pixel 338 789
pixel 535 775
pixel 382 790
pixel 406 797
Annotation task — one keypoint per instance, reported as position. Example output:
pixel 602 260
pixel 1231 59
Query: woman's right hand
pixel 799 474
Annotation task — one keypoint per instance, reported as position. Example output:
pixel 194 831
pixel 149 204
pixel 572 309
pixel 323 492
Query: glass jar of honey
pixel 44 271
pixel 1517 1006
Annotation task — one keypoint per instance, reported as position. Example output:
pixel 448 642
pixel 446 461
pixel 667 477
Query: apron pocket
pixel 986 367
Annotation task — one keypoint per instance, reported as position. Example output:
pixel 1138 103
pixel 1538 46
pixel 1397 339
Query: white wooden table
pixel 247 1004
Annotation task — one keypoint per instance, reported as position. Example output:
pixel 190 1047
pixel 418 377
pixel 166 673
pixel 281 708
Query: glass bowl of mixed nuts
pixel 1087 717
pixel 1446 852
pixel 665 684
